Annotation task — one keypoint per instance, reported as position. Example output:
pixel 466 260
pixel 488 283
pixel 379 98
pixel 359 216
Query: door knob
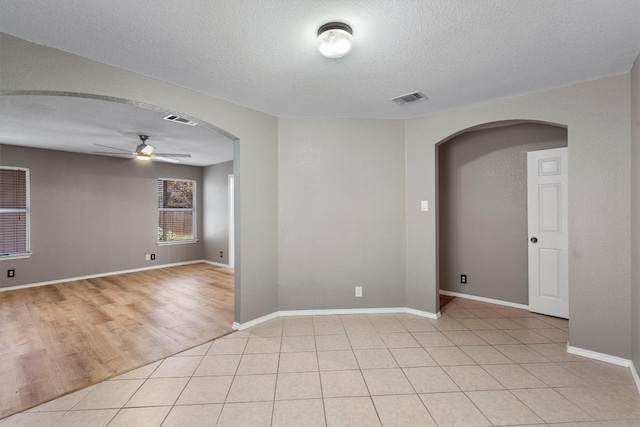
pixel 534 240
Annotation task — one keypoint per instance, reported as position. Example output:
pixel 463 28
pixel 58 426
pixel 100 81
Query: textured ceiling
pixel 261 53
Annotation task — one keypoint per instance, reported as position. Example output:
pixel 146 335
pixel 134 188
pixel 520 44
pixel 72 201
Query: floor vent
pixel 178 119
pixel 409 98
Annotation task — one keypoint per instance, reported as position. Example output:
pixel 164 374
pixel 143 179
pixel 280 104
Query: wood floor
pixel 58 338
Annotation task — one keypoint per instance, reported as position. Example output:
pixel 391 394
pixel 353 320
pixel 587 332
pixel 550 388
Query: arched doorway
pixel 95 215
pixel 482 209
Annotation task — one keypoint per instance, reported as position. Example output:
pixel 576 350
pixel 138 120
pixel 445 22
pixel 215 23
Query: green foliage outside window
pixel 176 213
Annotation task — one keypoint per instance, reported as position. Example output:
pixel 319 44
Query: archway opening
pixel 482 209
pixel 94 223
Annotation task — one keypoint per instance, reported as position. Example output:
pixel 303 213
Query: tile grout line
pixel 275 388
pixel 324 408
pixel 320 372
pixel 409 381
pixel 244 347
pixel 188 381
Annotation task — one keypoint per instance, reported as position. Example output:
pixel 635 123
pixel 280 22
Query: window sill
pixel 177 242
pixel 15 256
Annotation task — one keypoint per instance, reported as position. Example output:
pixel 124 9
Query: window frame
pixel 193 210
pixel 26 211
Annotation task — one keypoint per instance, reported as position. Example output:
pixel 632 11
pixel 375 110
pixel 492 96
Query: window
pixel 14 212
pixel 176 210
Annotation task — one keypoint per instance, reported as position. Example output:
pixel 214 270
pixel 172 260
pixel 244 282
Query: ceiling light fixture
pixel 144 148
pixel 148 149
pixel 335 39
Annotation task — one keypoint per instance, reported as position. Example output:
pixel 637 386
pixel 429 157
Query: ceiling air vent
pixel 409 98
pixel 178 119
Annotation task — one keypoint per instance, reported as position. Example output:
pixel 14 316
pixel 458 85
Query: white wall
pixel 341 213
pixel 29 68
pixel 597 117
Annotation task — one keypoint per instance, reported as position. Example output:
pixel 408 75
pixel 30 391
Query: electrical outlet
pixel 11 273
pixel 358 291
pixel 463 278
pixel 221 254
pixel 153 257
pixel 147 257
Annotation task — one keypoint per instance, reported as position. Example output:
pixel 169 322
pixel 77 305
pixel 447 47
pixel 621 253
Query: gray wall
pixel 635 211
pixel 482 184
pixel 93 214
pixel 341 213
pixel 28 68
pixel 216 207
pixel 597 115
pixel 597 118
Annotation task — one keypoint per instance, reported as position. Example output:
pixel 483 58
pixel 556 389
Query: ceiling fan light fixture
pixel 147 149
pixel 144 152
pixel 143 148
pixel 335 39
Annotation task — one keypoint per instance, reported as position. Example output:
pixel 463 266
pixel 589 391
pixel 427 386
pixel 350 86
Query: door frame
pixel 232 241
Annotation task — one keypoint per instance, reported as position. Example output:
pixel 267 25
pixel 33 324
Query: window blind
pixel 14 211
pixel 176 210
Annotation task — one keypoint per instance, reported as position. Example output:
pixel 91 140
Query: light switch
pixel 424 205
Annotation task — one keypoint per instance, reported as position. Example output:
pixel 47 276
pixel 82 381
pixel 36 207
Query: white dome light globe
pixel 334 40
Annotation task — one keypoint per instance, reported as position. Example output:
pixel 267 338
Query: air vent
pixel 178 119
pixel 409 98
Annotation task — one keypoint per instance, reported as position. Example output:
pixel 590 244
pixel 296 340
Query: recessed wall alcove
pixel 482 207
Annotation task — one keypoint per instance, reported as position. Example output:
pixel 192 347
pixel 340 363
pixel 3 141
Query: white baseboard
pixel 634 373
pixel 217 264
pixel 608 359
pixel 111 273
pixel 242 326
pixel 483 299
pixel 329 312
pixel 599 356
pixel 432 316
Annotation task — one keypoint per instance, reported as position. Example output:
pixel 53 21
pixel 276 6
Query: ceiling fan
pixel 143 151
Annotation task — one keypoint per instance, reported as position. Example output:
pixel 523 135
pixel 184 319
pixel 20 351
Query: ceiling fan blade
pixel 109 153
pixel 172 155
pixel 164 159
pixel 113 148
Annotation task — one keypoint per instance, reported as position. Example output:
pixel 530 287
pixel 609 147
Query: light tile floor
pixel 478 365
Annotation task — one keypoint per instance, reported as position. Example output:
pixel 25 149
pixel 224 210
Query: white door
pixel 548 227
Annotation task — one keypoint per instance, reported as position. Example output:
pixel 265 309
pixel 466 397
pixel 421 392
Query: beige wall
pixel 597 118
